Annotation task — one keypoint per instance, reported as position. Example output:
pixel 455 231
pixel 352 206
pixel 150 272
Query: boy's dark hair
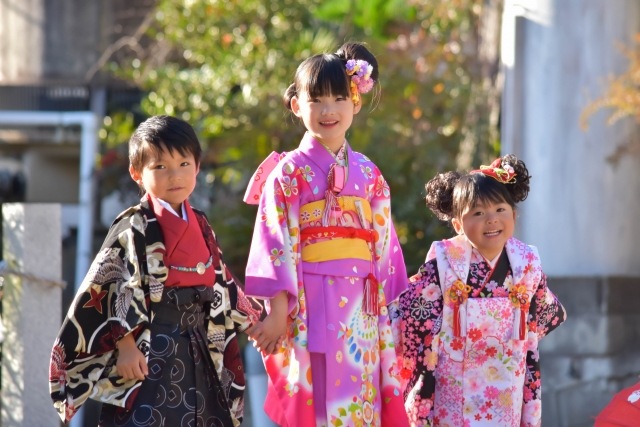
pixel 158 133
pixel 326 74
pixel 450 193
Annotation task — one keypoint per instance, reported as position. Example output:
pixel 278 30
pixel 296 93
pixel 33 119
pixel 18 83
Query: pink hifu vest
pixel 482 349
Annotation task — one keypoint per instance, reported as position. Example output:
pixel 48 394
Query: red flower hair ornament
pixel 501 172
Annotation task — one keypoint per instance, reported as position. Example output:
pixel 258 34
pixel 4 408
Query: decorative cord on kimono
pixel 520 299
pixel 335 184
pixel 370 290
pixel 370 295
pixel 457 295
pixel 332 215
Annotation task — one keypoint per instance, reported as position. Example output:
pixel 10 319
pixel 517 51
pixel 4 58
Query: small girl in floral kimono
pixel 326 258
pixel 472 316
pixel 151 332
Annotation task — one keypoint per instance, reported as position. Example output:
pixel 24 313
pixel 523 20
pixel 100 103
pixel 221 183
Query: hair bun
pixel 520 189
pixel 439 197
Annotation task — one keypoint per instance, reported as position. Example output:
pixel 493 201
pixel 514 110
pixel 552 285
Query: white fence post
pixel 32 270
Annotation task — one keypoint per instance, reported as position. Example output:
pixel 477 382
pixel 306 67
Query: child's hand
pixel 267 336
pixel 131 363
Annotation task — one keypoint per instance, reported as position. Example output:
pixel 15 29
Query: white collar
pixel 494 261
pixel 168 207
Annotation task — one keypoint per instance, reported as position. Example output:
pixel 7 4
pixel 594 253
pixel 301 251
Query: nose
pixel 326 108
pixel 175 174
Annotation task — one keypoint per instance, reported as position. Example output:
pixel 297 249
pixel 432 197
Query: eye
pixel 341 98
pixel 185 164
pixel 160 166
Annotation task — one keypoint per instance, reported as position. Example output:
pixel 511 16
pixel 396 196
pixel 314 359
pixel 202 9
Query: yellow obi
pixel 332 243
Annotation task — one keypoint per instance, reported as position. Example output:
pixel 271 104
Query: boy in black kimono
pixel 152 330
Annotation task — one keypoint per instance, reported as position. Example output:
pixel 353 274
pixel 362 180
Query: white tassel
pixel 516 325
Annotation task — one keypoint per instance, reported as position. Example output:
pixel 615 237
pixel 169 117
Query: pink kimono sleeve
pixel 392 271
pixel 273 256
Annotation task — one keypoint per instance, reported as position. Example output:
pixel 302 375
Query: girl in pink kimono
pixel 326 258
pixel 472 316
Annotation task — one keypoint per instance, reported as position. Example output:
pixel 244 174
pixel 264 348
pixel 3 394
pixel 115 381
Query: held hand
pixel 269 334
pixel 131 363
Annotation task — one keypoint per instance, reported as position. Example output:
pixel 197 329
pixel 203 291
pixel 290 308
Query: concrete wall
pixel 563 53
pixel 63 38
pixel 581 211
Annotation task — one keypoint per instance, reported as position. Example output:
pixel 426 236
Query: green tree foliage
pixel 224 65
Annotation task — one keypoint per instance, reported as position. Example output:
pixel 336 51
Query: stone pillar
pixel 557 57
pixel 31 311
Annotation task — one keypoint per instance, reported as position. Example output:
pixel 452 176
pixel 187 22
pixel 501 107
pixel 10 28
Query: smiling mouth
pixel 328 123
pixel 492 233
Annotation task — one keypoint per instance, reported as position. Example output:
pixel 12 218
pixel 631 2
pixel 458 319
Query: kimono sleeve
pixel 388 253
pixel 421 311
pixel 111 302
pixel 546 311
pixel 274 256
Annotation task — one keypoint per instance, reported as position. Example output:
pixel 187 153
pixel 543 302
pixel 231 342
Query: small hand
pixel 131 363
pixel 268 335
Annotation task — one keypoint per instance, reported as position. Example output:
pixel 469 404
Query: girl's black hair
pixel 158 133
pixel 326 74
pixel 450 193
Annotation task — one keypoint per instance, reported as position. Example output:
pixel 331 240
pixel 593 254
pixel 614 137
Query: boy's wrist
pixel 126 341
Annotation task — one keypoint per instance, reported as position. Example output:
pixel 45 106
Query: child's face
pixel 170 177
pixel 327 118
pixel 488 226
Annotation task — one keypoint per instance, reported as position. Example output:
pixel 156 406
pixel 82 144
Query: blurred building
pixel 558 56
pixel 49 61
pixel 51 52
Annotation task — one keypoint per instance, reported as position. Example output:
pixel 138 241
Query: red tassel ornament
pixel 457 295
pixel 370 302
pixel 456 321
pixel 524 310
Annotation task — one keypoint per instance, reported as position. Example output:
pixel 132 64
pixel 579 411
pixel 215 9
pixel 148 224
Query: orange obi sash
pixel 330 243
pixel 335 248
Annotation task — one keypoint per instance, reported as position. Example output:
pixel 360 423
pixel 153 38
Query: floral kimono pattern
pixel 324 277
pixel 475 361
pixel 114 298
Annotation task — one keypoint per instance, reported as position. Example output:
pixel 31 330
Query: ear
pixel 135 175
pixel 357 108
pixel 295 106
pixel 457 225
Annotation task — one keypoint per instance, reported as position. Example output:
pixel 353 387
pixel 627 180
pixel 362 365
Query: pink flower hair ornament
pixel 503 173
pixel 361 82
